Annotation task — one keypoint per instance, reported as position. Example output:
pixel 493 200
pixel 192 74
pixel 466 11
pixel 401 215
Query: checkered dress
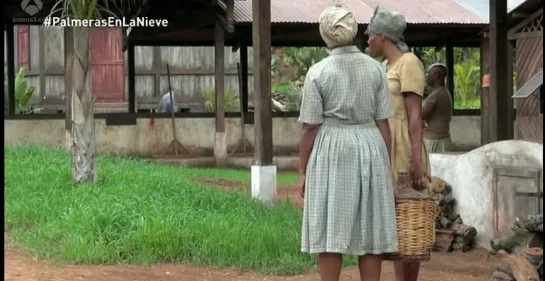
pixel 349 204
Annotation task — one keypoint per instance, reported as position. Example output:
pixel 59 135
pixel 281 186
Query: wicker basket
pixel 415 215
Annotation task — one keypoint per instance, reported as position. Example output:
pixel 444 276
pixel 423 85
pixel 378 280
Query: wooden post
pixel 220 148
pixel 261 33
pixel 68 71
pixel 508 101
pixel 498 71
pixel 485 92
pixel 450 69
pixel 156 64
pixel 131 68
pixel 10 42
pixel 263 173
pixel 244 93
pixel 41 61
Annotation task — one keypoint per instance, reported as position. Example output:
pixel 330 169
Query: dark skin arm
pixel 413 105
pixel 429 105
pixel 384 128
pixel 308 135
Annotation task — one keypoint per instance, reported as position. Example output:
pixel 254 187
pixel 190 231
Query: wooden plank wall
pixel 529 61
pixel 529 58
pixel 191 68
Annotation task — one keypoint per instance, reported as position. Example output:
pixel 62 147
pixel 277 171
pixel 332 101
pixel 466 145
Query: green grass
pixel 144 213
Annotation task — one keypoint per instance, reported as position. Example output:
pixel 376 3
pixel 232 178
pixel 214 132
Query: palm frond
pixel 96 9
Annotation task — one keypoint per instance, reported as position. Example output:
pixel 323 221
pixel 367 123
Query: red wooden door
pixel 23 47
pixel 107 72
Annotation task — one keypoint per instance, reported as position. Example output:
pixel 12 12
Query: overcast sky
pixel 481 7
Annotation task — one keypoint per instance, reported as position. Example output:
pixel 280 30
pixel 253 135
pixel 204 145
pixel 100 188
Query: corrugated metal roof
pixel 415 11
pixel 300 11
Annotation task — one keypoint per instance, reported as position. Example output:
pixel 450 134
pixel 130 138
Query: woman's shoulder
pixel 316 69
pixel 410 59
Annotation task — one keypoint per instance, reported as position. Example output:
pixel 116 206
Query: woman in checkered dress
pixel 344 169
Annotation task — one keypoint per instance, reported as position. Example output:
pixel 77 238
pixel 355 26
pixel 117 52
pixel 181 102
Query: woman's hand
pixel 301 184
pixel 418 174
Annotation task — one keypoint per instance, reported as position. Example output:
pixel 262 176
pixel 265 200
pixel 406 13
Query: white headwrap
pixel 338 27
pixel 438 65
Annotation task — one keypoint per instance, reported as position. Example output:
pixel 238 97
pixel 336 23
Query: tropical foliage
pixel 466 71
pixel 303 58
pixel 466 74
pixel 23 93
pixel 293 97
pixel 232 103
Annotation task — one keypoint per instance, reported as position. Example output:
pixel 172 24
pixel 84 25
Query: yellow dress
pixel 404 75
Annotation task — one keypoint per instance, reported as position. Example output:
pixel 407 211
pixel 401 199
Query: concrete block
pixel 220 149
pixel 67 140
pixel 264 183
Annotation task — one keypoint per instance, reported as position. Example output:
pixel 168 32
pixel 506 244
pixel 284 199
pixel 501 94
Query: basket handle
pixel 404 180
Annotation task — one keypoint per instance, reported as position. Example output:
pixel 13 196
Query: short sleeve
pixel 412 77
pixel 312 103
pixel 429 104
pixel 382 99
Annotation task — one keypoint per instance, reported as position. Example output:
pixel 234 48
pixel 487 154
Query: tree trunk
pixel 84 168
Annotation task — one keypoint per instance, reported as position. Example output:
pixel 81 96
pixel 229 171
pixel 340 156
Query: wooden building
pixel 190 54
pixel 512 52
pixel 260 24
pixel 527 36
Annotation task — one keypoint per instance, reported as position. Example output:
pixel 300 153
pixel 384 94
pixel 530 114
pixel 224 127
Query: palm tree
pixel 84 166
pixel 467 78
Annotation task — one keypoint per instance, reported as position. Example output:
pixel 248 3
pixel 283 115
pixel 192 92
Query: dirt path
pixel 473 266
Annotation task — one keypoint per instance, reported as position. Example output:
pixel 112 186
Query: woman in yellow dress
pixel 406 83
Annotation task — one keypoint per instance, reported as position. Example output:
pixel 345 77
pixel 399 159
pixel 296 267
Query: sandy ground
pixel 472 266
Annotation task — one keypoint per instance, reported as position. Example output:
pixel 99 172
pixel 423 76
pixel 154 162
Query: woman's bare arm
pixel 413 105
pixel 308 135
pixel 384 128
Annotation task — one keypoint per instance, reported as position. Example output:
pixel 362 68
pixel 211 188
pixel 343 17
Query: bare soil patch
pixel 473 266
pixel 289 193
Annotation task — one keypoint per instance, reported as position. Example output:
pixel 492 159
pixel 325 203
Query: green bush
pixel 23 93
pixel 232 103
